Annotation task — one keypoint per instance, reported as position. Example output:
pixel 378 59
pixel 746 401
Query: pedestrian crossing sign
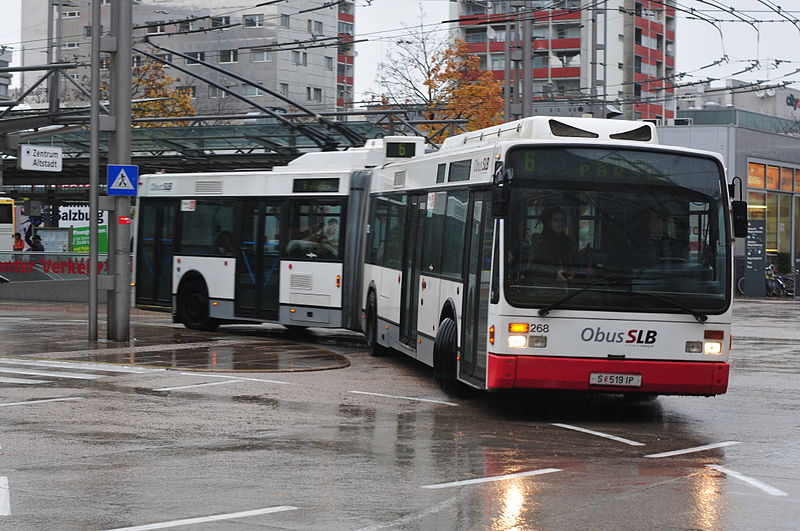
pixel 122 179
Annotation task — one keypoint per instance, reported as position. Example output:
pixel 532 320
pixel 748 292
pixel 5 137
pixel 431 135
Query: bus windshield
pixel 624 230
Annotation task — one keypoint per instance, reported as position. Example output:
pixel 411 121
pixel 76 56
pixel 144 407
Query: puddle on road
pixel 270 357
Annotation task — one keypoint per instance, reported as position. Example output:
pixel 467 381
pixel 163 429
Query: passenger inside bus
pixel 224 243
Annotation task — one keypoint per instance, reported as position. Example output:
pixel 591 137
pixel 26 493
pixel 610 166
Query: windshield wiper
pixel 701 317
pixel 544 310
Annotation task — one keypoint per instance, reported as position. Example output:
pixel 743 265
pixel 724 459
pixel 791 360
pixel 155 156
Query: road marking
pixel 599 434
pixel 194 385
pixel 72 375
pixel 149 348
pixel 405 398
pixel 769 489
pixel 5 497
pixel 26 402
pixel 695 449
pixel 108 367
pixel 236 378
pixel 23 381
pixel 492 478
pixel 203 519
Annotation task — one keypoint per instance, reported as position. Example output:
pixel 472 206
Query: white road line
pixel 26 402
pixel 492 478
pixel 235 378
pixel 72 375
pixel 405 398
pixel 692 450
pixel 149 348
pixel 5 497
pixel 108 367
pixel 194 385
pixel 203 519
pixel 599 434
pixel 23 381
pixel 769 489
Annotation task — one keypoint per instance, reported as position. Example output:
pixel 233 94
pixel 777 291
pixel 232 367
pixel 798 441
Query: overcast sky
pixel 699 43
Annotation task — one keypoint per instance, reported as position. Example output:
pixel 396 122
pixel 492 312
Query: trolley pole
pixel 94 168
pixel 119 233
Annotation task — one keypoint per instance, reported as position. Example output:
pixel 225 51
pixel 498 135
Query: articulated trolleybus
pixel 554 253
pixel 279 246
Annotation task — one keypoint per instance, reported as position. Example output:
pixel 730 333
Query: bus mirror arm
pixel 499 201
pixel 739 215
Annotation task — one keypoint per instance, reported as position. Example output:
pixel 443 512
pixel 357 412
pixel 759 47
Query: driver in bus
pixel 554 254
pixel 658 245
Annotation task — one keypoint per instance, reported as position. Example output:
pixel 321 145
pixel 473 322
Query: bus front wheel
pixel 193 307
pixel 371 332
pixel 445 351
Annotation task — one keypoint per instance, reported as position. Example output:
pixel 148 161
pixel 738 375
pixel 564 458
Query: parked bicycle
pixel 777 284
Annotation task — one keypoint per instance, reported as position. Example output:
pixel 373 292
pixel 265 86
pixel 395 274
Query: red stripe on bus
pixel 662 377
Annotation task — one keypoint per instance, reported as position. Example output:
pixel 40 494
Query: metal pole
pixel 507 74
pixel 119 297
pixel 94 168
pixel 51 80
pixel 527 67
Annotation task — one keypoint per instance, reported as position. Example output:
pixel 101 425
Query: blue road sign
pixel 122 179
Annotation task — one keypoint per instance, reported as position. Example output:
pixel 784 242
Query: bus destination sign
pixel 315 185
pixel 400 149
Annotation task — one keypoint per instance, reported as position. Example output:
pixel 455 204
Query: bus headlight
pixel 694 347
pixel 537 341
pixel 712 347
pixel 517 341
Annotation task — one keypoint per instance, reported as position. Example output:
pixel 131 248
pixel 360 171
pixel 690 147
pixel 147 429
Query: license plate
pixel 623 380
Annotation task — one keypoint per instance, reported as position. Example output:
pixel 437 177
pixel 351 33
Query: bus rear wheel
pixel 445 353
pixel 193 307
pixel 371 332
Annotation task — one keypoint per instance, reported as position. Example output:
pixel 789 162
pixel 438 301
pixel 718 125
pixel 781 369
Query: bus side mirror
pixel 739 215
pixel 499 202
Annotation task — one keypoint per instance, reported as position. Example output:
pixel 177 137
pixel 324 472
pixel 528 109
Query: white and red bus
pixel 279 246
pixel 554 253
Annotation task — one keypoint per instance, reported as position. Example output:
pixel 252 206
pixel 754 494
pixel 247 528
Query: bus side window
pixel 395 232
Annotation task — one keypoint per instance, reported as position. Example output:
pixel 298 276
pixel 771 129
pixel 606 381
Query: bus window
pixel 395 232
pixel 203 230
pixel 314 230
pixel 433 224
pixel 454 227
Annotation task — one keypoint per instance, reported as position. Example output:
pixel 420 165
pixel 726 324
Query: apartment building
pixel 301 49
pixel 619 52
pixel 5 77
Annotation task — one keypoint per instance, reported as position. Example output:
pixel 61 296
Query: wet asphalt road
pixel 312 433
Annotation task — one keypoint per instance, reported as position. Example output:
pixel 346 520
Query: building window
pixel 70 14
pixel 756 175
pixel 253 21
pixel 313 94
pixel 285 21
pixel 136 61
pixel 155 27
pixel 228 56
pixel 185 26
pixel 787 179
pixel 283 89
pixel 192 91
pixel 216 92
pixel 260 56
pixel 314 27
pixel 194 57
pixel 329 63
pixel 218 22
pixel 68 45
pixel 166 57
pixel 249 90
pixel 346 28
pixel 299 59
pixel 87 31
pixel 773 178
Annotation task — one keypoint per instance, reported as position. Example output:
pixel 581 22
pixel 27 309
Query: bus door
pixel 478 263
pixel 411 262
pixel 156 245
pixel 258 260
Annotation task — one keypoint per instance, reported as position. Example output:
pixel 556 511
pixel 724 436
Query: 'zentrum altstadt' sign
pixel 39 158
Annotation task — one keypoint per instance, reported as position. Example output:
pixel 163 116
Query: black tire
pixel 740 285
pixel 445 354
pixel 193 306
pixel 371 332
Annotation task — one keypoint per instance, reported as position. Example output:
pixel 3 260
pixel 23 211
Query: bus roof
pixel 556 128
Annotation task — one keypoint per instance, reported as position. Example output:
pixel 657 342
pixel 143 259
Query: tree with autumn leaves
pixel 150 80
pixel 442 82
